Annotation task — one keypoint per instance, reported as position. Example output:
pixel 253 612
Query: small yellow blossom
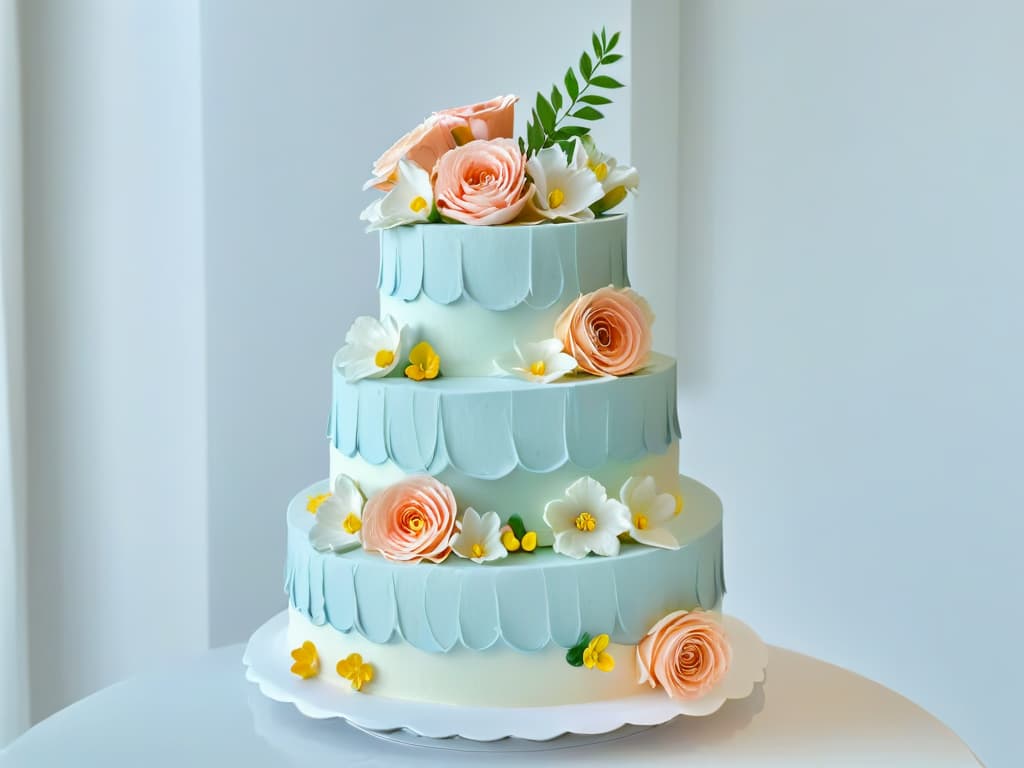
pixel 529 541
pixel 509 540
pixel 595 656
pixel 424 363
pixel 679 503
pixel 315 501
pixel 355 671
pixel 307 662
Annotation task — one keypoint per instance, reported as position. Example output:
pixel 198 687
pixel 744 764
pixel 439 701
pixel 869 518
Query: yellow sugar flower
pixel 594 655
pixel 355 671
pixel 315 501
pixel 307 662
pixel 680 503
pixel 425 363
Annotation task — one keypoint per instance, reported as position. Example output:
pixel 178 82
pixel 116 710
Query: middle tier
pixel 504 444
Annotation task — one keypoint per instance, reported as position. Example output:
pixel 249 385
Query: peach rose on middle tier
pixel 608 331
pixel 482 182
pixel 423 145
pixel 686 653
pixel 489 119
pixel 410 521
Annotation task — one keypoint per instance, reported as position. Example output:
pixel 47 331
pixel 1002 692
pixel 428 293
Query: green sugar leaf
pixel 556 98
pixel 597 45
pixel 587 113
pixel 604 38
pixel 586 67
pixel 611 58
pixel 593 98
pixel 572 86
pixel 612 42
pixel 603 81
pixel 518 528
pixel 570 131
pixel 546 113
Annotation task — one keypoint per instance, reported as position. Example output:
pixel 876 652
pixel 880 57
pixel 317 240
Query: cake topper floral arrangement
pixel 462 166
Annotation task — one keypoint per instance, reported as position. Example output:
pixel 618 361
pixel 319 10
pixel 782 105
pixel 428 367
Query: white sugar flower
pixel 410 201
pixel 616 180
pixel 372 348
pixel 339 518
pixel 479 538
pixel 564 189
pixel 649 511
pixel 539 361
pixel 586 520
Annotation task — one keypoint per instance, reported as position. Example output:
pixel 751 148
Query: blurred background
pixel 829 227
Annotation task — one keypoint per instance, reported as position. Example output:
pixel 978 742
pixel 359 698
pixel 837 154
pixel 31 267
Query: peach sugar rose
pixel 411 520
pixel 686 653
pixel 608 331
pixel 426 143
pixel 482 182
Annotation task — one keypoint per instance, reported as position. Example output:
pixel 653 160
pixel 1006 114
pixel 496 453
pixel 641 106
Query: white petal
pixel 560 514
pixel 603 543
pixel 638 494
pixel 347 495
pixel 613 518
pixel 662 509
pixel 586 493
pixel 360 369
pixel 655 537
pixel 570 543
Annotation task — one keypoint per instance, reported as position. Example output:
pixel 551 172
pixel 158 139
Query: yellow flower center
pixel 555 198
pixel 679 503
pixel 538 368
pixel 315 502
pixel 352 524
pixel 415 524
pixel 585 522
pixel 417 204
pixel 600 170
pixel 478 550
pixel 641 522
pixel 384 358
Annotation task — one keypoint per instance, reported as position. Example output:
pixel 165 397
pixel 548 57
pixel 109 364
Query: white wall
pixel 851 324
pixel 115 341
pixel 296 107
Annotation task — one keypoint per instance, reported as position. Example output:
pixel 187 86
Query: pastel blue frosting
pixel 503 267
pixel 526 601
pixel 485 427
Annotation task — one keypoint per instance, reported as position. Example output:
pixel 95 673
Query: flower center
pixel 641 522
pixel 585 522
pixel 384 358
pixel 352 524
pixel 555 198
pixel 679 503
pixel 478 550
pixel 417 204
pixel 600 170
pixel 538 368
pixel 415 524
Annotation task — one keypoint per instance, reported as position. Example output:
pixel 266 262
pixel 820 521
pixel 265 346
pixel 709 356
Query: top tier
pixel 470 291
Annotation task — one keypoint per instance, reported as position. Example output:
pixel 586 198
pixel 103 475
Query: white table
pixel 202 712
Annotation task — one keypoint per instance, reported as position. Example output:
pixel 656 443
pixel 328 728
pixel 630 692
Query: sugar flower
pixel 424 363
pixel 608 331
pixel 487 120
pixel 410 201
pixel 482 182
pixel 616 180
pixel 372 348
pixel 353 669
pixel 686 653
pixel 539 361
pixel 564 189
pixel 314 502
pixel 422 146
pixel 586 520
pixel 339 518
pixel 595 655
pixel 649 512
pixel 479 538
pixel 410 521
pixel 307 661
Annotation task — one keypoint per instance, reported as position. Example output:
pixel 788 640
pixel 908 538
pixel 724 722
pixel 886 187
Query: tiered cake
pixel 504 524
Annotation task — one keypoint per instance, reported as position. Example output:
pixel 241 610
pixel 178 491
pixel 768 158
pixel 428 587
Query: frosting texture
pixel 503 267
pixel 487 427
pixel 525 603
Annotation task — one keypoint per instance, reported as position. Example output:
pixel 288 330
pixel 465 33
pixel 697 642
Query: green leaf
pixel 597 46
pixel 546 113
pixel 575 656
pixel 569 148
pixel 611 58
pixel 604 39
pixel 569 131
pixel 603 81
pixel 587 113
pixel 518 528
pixel 572 86
pixel 586 67
pixel 556 98
pixel 612 42
pixel 593 98
pixel 534 133
pixel 522 145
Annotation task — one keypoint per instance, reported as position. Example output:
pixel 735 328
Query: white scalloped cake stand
pixel 268 662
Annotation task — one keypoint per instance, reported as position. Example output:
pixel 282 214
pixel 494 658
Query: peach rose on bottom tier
pixel 608 331
pixel 410 521
pixel 686 653
pixel 482 182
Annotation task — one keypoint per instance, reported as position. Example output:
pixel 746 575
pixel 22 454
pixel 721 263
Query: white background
pixel 829 228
